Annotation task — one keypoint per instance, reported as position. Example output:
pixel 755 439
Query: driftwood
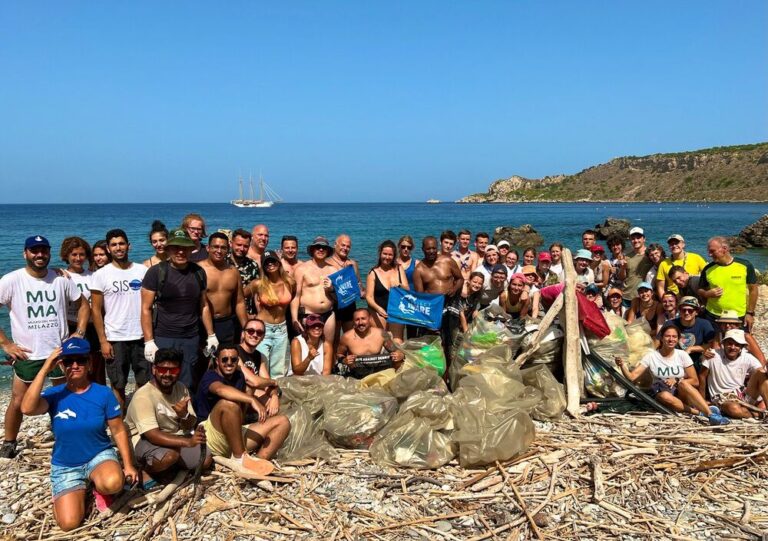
pixel 571 346
pixel 546 322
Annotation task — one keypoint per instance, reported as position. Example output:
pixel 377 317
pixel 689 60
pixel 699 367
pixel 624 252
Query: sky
pixel 362 101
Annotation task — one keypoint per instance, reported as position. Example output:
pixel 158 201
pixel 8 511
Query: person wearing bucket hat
pixel 691 262
pixel 80 412
pixel 314 290
pixel 174 305
pixel 724 373
pixel 37 298
pixel 584 273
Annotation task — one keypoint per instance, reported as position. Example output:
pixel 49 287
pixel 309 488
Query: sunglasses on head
pixel 228 360
pixel 69 361
pixel 168 370
pixel 257 332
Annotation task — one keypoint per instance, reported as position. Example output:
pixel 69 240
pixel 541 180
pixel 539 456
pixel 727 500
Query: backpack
pixel 162 276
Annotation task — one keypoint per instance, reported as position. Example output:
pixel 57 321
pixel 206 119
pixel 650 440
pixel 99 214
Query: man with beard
pixel 173 305
pixel 341 259
pixel 37 298
pixel 247 267
pixel 162 422
pixel 289 249
pixel 438 275
pixel 259 242
pixel 225 296
pixel 364 340
pixel 116 302
pixel 314 291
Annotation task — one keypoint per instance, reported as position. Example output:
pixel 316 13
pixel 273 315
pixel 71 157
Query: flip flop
pixel 259 466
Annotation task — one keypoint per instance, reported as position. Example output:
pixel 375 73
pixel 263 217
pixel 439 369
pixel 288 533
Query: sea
pixel 367 224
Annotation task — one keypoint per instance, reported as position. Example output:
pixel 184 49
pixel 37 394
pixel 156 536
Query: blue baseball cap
pixel 75 346
pixel 37 240
pixel 592 289
pixel 644 285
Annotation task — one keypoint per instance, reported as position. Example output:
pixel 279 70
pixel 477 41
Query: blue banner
pixel 412 308
pixel 346 286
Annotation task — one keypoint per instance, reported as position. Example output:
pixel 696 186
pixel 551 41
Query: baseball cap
pixel 499 268
pixel 544 256
pixel 583 254
pixel 644 285
pixel 502 243
pixel 491 248
pixel 592 289
pixel 690 301
pixel 269 254
pixel 636 231
pixel 313 320
pixel 728 316
pixel 614 291
pixel 596 248
pixel 676 236
pixel 37 240
pixel 528 269
pixel 75 346
pixel 179 237
pixel 737 335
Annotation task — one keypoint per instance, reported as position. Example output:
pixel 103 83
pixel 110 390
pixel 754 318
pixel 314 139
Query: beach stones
pixel 524 236
pixel 9 518
pixel 613 226
pixel 756 234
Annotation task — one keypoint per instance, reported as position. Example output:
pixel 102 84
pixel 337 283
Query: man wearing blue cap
pixel 37 298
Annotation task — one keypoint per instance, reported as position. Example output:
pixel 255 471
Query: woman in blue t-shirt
pixel 80 412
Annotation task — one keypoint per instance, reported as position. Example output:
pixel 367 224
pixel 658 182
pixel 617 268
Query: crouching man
pixel 724 375
pixel 162 422
pixel 223 403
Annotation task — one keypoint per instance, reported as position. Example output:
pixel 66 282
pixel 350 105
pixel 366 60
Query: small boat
pixel 262 202
pixel 433 201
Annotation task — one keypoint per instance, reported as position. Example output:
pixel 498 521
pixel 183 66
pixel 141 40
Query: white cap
pixel 636 231
pixel 502 243
pixel 737 335
pixel 491 248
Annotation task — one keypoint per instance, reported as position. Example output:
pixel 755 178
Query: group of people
pixel 209 322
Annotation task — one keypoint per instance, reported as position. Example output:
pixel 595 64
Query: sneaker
pixel 259 466
pixel 717 418
pixel 102 501
pixel 8 449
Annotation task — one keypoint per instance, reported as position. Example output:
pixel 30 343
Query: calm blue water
pixel 368 223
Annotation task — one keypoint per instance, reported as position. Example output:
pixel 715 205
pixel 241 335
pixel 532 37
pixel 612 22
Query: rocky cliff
pixel 736 173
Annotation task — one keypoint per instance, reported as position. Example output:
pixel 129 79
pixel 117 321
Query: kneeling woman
pixel 80 413
pixel 675 383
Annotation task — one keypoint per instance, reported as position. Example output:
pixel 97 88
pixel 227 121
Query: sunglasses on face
pixel 687 310
pixel 257 332
pixel 405 247
pixel 69 361
pixel 168 370
pixel 228 360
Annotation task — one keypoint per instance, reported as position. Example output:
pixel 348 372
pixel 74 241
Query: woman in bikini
pixel 273 292
pixel 405 259
pixel 644 305
pixel 515 300
pixel 158 236
pixel 385 275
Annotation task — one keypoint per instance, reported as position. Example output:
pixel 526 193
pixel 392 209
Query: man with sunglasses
pixel 37 298
pixel 225 297
pixel 223 401
pixel 314 291
pixel 162 422
pixel 697 334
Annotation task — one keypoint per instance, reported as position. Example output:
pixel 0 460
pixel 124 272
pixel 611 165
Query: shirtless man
pixel 341 259
pixel 248 268
pixel 225 294
pixel 464 257
pixel 481 241
pixel 363 339
pixel 289 249
pixel 447 242
pixel 314 291
pixel 259 242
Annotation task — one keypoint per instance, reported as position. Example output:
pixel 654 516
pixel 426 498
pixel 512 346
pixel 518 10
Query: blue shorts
pixel 68 478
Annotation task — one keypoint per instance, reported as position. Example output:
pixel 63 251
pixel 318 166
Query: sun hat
pixel 583 254
pixel 37 240
pixel 693 302
pixel 320 242
pixel 75 346
pixel 737 335
pixel 528 269
pixel 179 237
pixel 729 316
pixel 636 231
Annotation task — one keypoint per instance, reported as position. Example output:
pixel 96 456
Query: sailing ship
pixel 267 196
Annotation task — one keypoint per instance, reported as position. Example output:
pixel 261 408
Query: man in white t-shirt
pixel 116 293
pixel 37 298
pixel 724 375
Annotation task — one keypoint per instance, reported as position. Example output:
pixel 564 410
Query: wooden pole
pixel 572 347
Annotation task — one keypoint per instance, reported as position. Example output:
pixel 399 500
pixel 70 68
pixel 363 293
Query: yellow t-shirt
pixel 150 409
pixel 692 263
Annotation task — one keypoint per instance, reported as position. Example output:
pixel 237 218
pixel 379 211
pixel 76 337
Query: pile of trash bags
pixel 408 418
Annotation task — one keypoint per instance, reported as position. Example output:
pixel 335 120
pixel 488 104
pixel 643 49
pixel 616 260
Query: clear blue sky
pixel 362 101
